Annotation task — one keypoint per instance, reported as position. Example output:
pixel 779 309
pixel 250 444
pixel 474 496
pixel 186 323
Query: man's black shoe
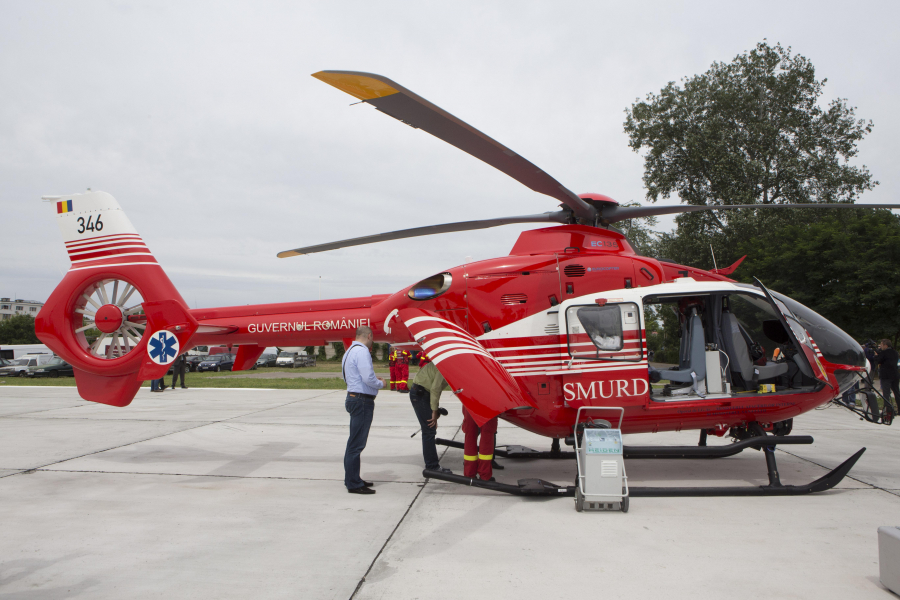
pixel 367 483
pixel 184 387
pixel 361 490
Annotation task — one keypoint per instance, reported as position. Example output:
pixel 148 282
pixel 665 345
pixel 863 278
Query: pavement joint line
pixel 21 417
pixel 204 422
pixel 32 412
pixel 195 475
pixel 397 526
pixel 114 447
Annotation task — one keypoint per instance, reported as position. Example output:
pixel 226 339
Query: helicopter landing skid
pixel 539 487
pixel 630 452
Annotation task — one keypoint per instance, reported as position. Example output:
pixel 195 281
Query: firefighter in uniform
pixel 392 363
pixel 478 454
pixel 403 371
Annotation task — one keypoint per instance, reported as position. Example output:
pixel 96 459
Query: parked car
pixel 217 362
pixel 306 360
pixel 19 366
pixel 54 368
pixel 193 361
pixel 266 360
pixel 285 359
pixel 295 359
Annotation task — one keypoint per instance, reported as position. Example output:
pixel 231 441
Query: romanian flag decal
pixel 64 206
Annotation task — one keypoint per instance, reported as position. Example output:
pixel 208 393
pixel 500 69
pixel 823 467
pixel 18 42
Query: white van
pixel 286 359
pixel 20 365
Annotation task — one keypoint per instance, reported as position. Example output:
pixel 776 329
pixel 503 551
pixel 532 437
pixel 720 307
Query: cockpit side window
pixel 603 324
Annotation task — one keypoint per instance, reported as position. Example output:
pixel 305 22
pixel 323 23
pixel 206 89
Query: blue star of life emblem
pixel 163 347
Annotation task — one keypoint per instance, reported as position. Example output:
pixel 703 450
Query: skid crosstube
pixel 654 451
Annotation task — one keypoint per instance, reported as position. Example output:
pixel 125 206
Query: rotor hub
pixel 109 318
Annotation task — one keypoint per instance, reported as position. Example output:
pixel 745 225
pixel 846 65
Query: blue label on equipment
pixel 603 441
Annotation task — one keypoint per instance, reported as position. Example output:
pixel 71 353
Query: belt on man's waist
pixel 418 389
pixel 361 395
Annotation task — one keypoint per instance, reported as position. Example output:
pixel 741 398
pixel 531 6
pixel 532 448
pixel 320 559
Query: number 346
pixel 91 225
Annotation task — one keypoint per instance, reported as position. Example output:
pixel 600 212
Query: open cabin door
pixel 798 332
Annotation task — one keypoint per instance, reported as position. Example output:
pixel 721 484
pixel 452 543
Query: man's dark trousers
pixel 362 409
pixel 178 370
pixel 421 403
pixel 889 385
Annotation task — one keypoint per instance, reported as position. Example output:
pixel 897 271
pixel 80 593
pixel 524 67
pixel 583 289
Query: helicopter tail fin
pixel 481 383
pixel 115 317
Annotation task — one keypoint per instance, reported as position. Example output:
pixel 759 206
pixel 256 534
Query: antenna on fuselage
pixel 715 266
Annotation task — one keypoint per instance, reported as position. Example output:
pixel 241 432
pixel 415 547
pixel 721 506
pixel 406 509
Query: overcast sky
pixel 201 118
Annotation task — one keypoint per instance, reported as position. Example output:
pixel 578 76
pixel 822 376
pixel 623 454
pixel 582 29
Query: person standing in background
pixel 392 365
pixel 888 372
pixel 178 370
pixel 403 371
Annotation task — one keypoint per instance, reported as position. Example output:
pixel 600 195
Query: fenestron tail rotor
pixel 114 308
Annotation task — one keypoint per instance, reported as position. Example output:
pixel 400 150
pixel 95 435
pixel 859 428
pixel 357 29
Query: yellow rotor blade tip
pixel 359 86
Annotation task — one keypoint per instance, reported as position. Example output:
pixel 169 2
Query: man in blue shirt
pixel 362 387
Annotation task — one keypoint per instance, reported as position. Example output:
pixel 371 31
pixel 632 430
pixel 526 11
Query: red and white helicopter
pixel 556 325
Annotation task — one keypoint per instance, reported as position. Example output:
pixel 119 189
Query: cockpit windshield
pixel 836 346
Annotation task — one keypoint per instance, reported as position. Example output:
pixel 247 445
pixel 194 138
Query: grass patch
pixel 227 379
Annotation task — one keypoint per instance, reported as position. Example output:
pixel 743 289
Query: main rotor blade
pixel 396 101
pixel 614 214
pixel 548 217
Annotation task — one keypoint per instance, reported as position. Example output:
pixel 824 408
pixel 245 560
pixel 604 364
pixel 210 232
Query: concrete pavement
pixel 231 493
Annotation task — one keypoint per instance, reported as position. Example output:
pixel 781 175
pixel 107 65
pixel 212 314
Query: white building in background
pixel 10 308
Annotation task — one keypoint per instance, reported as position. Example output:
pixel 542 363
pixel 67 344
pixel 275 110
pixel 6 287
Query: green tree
pixel 18 329
pixel 640 233
pixel 745 132
pixel 845 266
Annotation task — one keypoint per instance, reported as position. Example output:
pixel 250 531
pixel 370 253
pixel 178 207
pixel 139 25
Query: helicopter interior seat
pixel 739 355
pixel 692 362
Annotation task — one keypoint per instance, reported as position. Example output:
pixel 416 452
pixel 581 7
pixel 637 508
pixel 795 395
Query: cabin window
pixel 431 288
pixel 610 332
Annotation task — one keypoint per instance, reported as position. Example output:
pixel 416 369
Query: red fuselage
pixel 545 268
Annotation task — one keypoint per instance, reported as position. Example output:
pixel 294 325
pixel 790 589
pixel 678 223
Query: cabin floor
pixel 238 493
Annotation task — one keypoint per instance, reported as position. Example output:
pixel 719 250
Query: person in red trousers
pixel 478 454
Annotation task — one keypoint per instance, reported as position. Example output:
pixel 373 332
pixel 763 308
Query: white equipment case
pixel 602 483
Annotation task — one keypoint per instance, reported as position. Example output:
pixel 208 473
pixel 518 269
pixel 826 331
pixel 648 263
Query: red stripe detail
pixel 115 259
pixel 99 238
pixel 110 246
pixel 59 208
pixel 96 255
